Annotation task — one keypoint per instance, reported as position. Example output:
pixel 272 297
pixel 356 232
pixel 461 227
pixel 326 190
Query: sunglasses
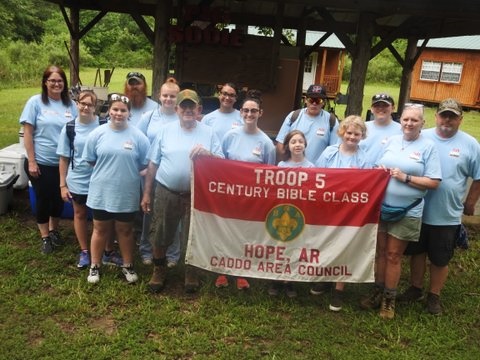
pixel 382 97
pixel 315 100
pixel 118 97
pixel 135 74
pixel 252 111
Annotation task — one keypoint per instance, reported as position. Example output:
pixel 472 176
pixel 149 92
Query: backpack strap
pixel 333 120
pixel 70 130
pixel 295 116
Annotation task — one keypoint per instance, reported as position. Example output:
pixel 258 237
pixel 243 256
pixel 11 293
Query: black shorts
pixel 102 215
pixel 79 199
pixel 437 241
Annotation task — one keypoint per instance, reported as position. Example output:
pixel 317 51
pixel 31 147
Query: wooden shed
pixel 325 64
pixel 448 67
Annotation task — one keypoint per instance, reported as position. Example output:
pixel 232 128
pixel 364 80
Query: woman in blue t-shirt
pixel 43 117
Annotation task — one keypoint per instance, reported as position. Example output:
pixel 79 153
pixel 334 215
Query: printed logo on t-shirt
pixel 257 151
pixel 68 114
pixel 320 132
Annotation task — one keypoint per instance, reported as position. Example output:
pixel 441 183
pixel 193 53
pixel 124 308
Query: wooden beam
pixel 317 44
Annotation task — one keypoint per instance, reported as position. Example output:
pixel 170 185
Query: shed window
pixel 430 70
pixel 451 72
pixel 448 72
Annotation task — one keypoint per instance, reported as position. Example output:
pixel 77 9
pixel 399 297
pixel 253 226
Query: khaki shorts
pixel 407 229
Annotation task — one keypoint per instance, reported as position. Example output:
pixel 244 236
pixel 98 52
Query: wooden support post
pixel 406 81
pixel 361 57
pixel 75 46
pixel 161 49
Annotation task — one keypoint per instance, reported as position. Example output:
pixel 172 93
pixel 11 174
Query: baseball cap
pixel 382 97
pixel 316 91
pixel 451 105
pixel 135 76
pixel 188 94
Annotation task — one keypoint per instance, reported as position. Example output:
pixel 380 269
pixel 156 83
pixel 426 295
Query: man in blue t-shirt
pixel 442 214
pixel 167 184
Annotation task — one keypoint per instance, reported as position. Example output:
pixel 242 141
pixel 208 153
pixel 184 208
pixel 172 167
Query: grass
pixel 47 309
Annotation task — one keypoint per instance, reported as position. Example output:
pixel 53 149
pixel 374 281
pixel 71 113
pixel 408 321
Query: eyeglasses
pixel 252 111
pixel 118 97
pixel 315 100
pixel 53 81
pixel 230 95
pixel 85 105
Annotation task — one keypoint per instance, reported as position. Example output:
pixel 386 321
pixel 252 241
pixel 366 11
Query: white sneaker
pixel 130 274
pixel 171 264
pixel 93 275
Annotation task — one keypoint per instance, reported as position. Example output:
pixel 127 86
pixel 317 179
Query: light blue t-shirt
pixel 136 113
pixel 237 144
pixel 460 159
pixel 377 137
pixel 331 157
pixel 316 130
pixel 223 122
pixel 290 163
pixel 119 156
pixel 418 158
pixel 152 120
pixel 47 121
pixel 78 178
pixel 171 152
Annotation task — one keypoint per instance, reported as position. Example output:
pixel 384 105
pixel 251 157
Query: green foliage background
pixel 33 35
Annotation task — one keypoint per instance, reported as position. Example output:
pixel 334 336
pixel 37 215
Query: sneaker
pixel 93 275
pixel 336 301
pixel 434 306
pixel 290 290
pixel 372 301
pixel 55 237
pixel 320 288
pixel 130 274
pixel 83 260
pixel 171 264
pixel 275 288
pixel 47 247
pixel 242 284
pixel 147 261
pixel 191 280
pixel 412 294
pixel 387 309
pixel 113 259
pixel 157 281
pixel 222 281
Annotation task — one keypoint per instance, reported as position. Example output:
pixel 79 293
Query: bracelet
pixel 408 179
pixel 62 186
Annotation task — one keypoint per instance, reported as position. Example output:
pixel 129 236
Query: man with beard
pixel 136 91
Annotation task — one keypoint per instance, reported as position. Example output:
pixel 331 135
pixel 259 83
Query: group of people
pixel 141 158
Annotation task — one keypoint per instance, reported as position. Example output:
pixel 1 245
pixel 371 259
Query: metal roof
pixel 459 42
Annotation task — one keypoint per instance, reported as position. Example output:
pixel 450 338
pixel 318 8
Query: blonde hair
pixel 355 121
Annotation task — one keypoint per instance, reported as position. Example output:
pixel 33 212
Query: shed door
pixel 309 72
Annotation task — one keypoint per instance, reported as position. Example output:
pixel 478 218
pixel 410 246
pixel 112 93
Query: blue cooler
pixel 67 207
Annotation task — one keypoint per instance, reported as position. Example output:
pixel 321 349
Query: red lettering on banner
pixel 274 268
pixel 310 257
pixel 310 270
pixel 230 263
pixel 265 252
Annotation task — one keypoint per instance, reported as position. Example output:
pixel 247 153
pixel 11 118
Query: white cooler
pixel 7 179
pixel 11 160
